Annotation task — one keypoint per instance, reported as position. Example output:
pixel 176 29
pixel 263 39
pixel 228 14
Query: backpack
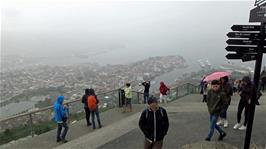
pixel 147 112
pixel 92 102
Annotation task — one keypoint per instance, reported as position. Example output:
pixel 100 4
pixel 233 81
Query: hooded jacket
pixel 216 101
pixel 128 92
pixel 154 124
pixel 163 88
pixel 59 110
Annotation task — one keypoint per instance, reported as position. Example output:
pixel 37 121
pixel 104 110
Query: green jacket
pixel 216 101
pixel 128 92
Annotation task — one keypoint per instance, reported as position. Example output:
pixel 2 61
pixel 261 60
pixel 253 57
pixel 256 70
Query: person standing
pixel 146 85
pixel 87 110
pixel 228 90
pixel 215 103
pixel 163 92
pixel 245 99
pixel 61 117
pixel 93 102
pixel 154 124
pixel 128 96
pixel 205 91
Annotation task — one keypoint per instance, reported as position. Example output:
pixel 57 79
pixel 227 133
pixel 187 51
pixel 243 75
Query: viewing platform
pixel 189 125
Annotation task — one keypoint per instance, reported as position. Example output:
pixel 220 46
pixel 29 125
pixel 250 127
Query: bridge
pixel 189 125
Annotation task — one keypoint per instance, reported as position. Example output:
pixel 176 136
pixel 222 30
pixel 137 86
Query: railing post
pixel 187 89
pixel 138 96
pixel 176 92
pixel 31 125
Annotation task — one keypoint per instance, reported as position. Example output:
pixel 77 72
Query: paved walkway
pixel 189 125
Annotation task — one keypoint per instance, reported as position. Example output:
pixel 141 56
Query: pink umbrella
pixel 216 75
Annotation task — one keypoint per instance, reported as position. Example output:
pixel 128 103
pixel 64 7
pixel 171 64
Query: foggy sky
pixel 121 32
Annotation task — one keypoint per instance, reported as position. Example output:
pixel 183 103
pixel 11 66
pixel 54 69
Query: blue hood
pixel 60 99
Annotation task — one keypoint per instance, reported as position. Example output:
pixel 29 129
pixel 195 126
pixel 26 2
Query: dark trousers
pixel 241 105
pixel 153 145
pixel 204 98
pixel 96 112
pixel 59 129
pixel 87 113
pixel 146 97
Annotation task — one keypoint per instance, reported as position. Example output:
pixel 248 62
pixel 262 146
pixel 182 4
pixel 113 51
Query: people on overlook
pixel 61 113
pixel 86 108
pixel 164 90
pixel 128 98
pixel 154 124
pixel 93 102
pixel 215 103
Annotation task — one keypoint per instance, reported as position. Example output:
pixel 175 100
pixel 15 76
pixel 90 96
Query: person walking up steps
pixel 215 103
pixel 154 124
pixel 228 90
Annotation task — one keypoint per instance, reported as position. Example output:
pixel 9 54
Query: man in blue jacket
pixel 61 113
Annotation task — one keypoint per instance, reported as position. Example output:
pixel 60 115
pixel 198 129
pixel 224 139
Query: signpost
pixel 258 14
pixel 249 45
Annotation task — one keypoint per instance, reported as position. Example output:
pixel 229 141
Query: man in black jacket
pixel 87 110
pixel 154 124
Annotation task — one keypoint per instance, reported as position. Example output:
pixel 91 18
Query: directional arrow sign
pixel 241 49
pixel 234 56
pixel 243 42
pixel 245 28
pixel 243 35
pixel 249 57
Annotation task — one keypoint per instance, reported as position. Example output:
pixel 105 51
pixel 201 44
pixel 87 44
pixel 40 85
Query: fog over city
pixel 118 32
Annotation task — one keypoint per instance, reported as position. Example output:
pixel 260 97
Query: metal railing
pixel 107 99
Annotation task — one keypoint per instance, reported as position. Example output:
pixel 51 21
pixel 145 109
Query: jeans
pixel 224 112
pixel 59 129
pixel 146 97
pixel 87 113
pixel 97 116
pixel 213 120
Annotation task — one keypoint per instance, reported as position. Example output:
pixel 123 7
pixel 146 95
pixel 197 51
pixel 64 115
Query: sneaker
pixel 242 127
pixel 58 140
pixel 222 135
pixel 64 141
pixel 225 123
pixel 207 139
pixel 237 125
pixel 220 122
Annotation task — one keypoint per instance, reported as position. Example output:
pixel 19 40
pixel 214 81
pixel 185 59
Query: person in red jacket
pixel 163 92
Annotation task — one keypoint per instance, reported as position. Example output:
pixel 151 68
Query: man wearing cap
pixel 154 124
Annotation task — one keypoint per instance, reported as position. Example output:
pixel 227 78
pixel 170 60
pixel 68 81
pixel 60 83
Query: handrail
pixel 75 100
